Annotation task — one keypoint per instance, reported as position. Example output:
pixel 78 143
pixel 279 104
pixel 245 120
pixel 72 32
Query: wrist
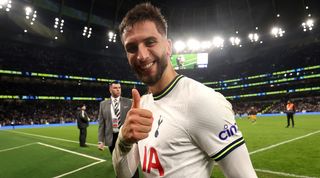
pixel 124 146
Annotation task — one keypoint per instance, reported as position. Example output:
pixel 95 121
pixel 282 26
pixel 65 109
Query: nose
pixel 143 53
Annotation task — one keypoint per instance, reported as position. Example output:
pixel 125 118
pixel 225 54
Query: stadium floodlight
pixel 87 31
pixel 179 46
pixel 58 24
pixel 205 45
pixel 308 25
pixel 5 4
pixel 112 36
pixel 254 37
pixel 28 10
pixel 193 44
pixel 235 41
pixel 218 42
pixel 30 14
pixel 277 32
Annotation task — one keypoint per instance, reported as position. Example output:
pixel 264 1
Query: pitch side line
pixel 76 153
pixel 84 167
pixel 282 173
pixel 17 147
pixel 284 142
pixel 53 138
pixel 69 151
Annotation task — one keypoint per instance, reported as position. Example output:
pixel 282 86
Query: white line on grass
pixel 73 152
pixel 278 144
pixel 78 169
pixel 76 153
pixel 53 138
pixel 17 147
pixel 253 152
pixel 282 173
pixel 284 142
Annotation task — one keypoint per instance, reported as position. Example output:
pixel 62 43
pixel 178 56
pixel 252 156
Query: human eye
pixel 131 48
pixel 150 42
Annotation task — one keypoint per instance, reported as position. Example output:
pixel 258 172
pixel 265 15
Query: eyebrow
pixel 144 40
pixel 150 38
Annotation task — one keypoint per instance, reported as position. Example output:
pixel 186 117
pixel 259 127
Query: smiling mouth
pixel 147 66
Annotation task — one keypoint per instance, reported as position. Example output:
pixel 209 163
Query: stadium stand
pixel 29 112
pixel 264 76
pixel 32 58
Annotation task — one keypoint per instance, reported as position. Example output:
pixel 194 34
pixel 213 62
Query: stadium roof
pixel 203 17
pixel 200 19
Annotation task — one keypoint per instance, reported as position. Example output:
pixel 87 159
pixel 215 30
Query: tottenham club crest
pixel 159 123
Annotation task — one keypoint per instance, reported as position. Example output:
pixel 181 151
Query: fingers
pixel 143 129
pixel 137 125
pixel 138 122
pixel 135 98
pixel 101 146
pixel 143 114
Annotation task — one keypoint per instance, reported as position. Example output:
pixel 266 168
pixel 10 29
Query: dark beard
pixel 148 80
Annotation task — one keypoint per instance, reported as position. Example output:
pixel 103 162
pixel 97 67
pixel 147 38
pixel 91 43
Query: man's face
pixel 148 52
pixel 115 90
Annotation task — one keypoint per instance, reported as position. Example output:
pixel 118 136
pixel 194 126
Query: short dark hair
pixel 144 12
pixel 114 82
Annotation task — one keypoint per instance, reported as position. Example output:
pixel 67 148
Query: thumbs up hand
pixel 138 121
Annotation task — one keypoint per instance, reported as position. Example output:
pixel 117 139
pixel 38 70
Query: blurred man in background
pixel 253 114
pixel 290 110
pixel 83 122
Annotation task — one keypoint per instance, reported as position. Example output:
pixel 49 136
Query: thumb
pixel 135 98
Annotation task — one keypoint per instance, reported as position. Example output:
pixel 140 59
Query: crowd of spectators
pixel 29 112
pixel 306 104
pixel 242 108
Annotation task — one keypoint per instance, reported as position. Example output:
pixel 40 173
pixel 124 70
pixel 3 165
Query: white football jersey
pixel 193 126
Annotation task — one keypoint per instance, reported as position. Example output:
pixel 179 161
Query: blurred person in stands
pixel 82 122
pixel 180 62
pixel 112 114
pixel 182 127
pixel 252 113
pixel 290 110
pixel 13 123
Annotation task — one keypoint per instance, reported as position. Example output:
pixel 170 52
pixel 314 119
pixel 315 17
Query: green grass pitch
pixel 275 151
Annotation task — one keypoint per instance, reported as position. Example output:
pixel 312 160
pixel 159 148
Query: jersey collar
pixel 167 90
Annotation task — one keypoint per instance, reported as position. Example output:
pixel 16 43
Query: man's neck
pixel 165 80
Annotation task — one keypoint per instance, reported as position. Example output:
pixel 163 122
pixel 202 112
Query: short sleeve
pixel 212 125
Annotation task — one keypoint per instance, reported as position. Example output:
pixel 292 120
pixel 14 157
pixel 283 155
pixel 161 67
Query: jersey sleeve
pixel 125 163
pixel 212 125
pixel 238 164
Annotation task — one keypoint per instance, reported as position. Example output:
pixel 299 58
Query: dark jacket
pixel 83 122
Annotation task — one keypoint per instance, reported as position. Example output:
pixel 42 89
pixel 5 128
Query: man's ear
pixel 169 48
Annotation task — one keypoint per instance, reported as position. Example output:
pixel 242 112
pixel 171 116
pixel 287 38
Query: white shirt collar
pixel 112 98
